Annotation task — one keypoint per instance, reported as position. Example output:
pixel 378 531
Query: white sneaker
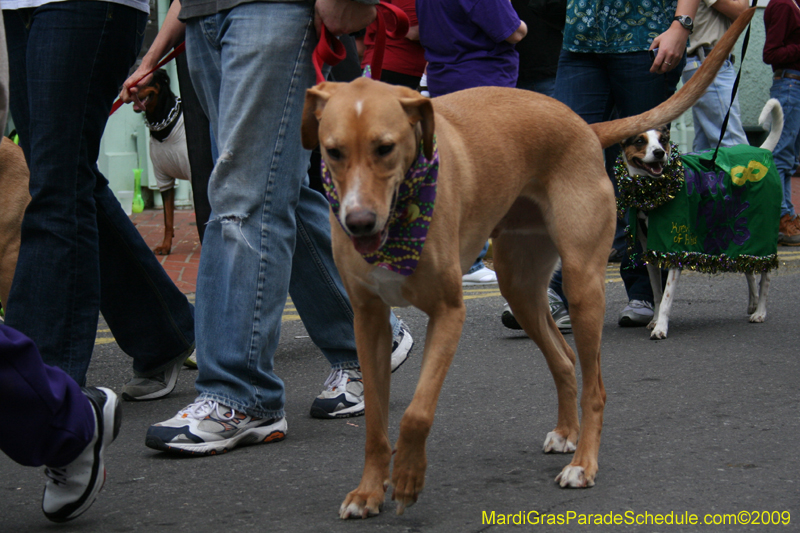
pixel 206 427
pixel 484 276
pixel 72 489
pixel 401 346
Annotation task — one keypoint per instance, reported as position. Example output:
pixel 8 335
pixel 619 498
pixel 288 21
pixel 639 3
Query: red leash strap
pixel 331 51
pixel 172 55
pixel 400 30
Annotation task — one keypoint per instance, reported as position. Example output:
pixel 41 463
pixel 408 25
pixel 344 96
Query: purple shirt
pixel 465 43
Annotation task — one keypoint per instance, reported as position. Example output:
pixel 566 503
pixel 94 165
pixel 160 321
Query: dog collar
pixel 171 117
pixel 645 193
pixel 409 219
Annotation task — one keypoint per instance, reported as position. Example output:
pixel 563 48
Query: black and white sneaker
pixel 73 488
pixel 343 396
pixel 401 346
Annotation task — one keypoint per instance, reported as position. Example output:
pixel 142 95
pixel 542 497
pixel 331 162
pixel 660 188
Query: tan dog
pixel 514 165
pixel 14 177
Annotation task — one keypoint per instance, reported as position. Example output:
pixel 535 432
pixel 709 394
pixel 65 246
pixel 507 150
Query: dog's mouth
pixel 655 169
pixel 369 244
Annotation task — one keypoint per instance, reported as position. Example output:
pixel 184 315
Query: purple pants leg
pixel 53 420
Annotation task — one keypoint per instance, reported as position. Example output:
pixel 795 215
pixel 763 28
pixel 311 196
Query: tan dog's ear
pixel 420 109
pixel 316 98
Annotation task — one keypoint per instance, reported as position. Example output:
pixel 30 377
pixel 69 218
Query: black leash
pixel 711 164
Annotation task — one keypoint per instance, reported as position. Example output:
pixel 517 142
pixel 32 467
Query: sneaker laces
pixel 640 304
pixel 337 378
pixel 58 475
pixel 202 408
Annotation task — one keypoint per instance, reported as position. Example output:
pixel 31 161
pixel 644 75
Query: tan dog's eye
pixel 334 154
pixel 385 149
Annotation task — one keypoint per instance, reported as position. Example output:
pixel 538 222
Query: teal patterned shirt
pixel 616 26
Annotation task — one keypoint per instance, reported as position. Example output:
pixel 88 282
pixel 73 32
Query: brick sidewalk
pixel 182 263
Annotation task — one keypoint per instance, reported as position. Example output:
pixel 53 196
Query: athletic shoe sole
pixel 109 415
pixel 350 412
pixel 265 434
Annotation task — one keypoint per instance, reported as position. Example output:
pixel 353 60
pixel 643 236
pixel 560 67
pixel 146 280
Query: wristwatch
pixel 686 22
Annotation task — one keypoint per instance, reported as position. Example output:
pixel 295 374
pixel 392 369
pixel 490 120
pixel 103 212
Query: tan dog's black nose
pixel 360 222
pixel 658 153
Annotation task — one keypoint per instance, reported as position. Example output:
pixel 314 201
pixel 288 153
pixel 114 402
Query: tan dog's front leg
pixel 410 462
pixel 374 344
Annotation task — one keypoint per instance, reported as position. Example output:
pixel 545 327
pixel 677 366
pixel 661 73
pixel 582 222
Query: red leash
pixel 331 51
pixel 172 55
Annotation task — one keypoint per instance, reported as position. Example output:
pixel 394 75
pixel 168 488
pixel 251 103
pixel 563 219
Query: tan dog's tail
pixel 616 131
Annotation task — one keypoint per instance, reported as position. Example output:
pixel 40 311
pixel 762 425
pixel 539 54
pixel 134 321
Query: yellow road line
pixel 612 276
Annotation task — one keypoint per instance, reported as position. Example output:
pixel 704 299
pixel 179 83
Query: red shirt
pixel 782 44
pixel 402 55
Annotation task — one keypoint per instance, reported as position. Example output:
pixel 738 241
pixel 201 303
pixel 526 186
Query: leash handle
pixel 331 51
pixel 172 55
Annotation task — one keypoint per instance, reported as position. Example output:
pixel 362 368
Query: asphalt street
pixel 705 423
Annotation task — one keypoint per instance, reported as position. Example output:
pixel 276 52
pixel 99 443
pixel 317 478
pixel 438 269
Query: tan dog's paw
pixel 555 443
pixel 574 477
pixel 408 482
pixel 362 504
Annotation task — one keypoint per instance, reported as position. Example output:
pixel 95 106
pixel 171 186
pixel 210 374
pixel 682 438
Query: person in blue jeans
pixel 782 52
pixel 713 18
pixel 269 233
pixel 604 68
pixel 57 423
pixel 80 253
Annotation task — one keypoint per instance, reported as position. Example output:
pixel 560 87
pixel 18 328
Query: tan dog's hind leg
pixel 524 265
pixel 374 344
pixel 586 296
pixel 447 316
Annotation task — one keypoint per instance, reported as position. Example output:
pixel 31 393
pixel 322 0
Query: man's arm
pixel 169 36
pixel 517 36
pixel 731 8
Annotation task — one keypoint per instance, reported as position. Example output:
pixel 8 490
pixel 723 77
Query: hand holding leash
pixel 331 51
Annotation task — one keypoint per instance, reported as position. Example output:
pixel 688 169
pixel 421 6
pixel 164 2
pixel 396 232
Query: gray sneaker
pixel 156 385
pixel 636 314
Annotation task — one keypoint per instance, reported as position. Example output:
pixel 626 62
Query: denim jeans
pixel 709 112
pixel 597 85
pixel 545 86
pixel 269 232
pixel 787 92
pixel 80 252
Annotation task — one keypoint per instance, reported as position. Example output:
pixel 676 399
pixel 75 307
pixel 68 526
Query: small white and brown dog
pixel 647 154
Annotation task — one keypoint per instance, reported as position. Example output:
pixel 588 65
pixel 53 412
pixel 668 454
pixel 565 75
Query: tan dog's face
pixel 647 154
pixel 369 137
